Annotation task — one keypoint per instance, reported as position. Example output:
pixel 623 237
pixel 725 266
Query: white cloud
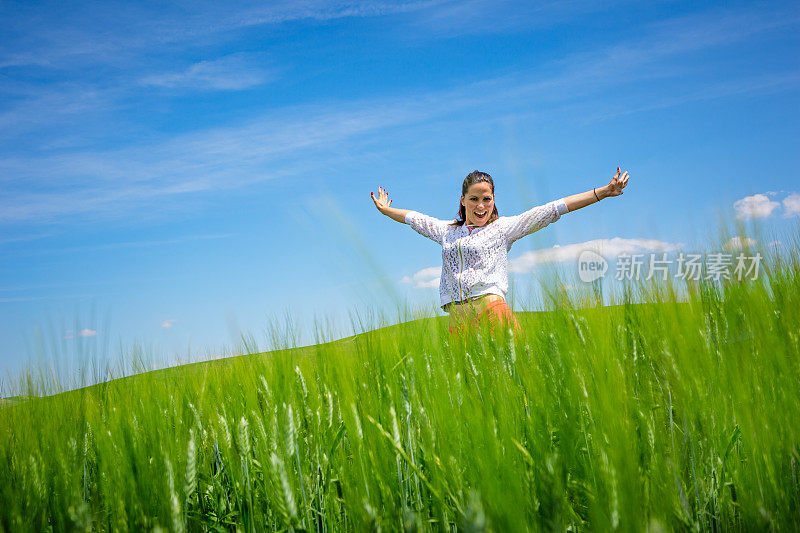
pixel 608 248
pixel 756 206
pixel 86 332
pixel 167 324
pixel 791 205
pixel 230 73
pixel 737 243
pixel 427 278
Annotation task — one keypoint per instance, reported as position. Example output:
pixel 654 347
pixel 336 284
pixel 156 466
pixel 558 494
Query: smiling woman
pixel 475 246
pixel 477 200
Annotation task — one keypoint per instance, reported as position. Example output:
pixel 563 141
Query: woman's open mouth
pixel 479 216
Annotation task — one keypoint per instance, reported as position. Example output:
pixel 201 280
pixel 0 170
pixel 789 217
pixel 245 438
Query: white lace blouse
pixel 475 258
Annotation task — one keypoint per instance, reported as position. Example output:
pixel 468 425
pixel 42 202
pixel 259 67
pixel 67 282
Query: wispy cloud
pixel 22 299
pixel 121 245
pixel 40 108
pixel 322 10
pixel 483 17
pixel 230 73
pixel 167 324
pixel 290 141
pixel 221 159
pixel 24 238
pixel 101 35
pixel 751 86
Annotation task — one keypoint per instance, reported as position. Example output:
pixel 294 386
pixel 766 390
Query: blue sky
pixel 173 175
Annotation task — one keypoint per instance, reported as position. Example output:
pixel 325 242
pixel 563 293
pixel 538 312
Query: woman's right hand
pixel 382 201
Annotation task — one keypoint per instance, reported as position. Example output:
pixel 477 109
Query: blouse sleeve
pixel 429 227
pixel 533 220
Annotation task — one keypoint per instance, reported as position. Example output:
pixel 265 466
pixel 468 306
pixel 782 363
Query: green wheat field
pixel 658 413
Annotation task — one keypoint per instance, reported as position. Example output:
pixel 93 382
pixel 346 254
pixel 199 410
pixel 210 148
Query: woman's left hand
pixel 617 183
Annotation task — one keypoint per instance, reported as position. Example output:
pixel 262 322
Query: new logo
pixel 591 266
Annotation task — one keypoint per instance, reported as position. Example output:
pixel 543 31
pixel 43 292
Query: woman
pixel 475 246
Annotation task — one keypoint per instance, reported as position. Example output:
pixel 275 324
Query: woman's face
pixel 478 203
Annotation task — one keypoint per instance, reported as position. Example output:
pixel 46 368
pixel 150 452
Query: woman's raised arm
pixel 383 202
pixel 614 188
pixel 429 227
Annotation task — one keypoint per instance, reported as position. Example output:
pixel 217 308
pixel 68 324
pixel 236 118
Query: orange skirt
pixel 496 312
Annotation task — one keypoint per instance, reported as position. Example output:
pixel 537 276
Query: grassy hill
pixel 664 415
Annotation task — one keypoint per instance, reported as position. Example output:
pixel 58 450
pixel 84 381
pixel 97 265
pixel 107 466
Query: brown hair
pixel 472 178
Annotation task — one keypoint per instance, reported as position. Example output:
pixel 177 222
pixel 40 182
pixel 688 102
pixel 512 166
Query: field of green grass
pixel 674 414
